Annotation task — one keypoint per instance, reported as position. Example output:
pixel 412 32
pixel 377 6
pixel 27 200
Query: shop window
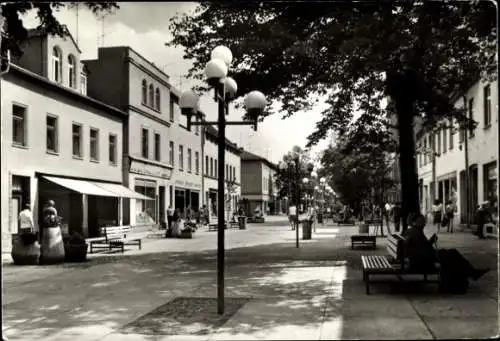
pixel 145 209
pixel 19 125
pixel 490 176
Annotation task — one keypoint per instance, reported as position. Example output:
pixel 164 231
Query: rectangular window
pixel 171 109
pixel 145 143
pixel 52 138
pixel 216 168
pixel 112 149
pixel 94 144
pixel 452 132
pixel 197 162
pixel 445 140
pixel 181 157
pixel 471 116
pixel 83 83
pixel 425 150
pixel 77 140
pixel 206 165
pixel 189 156
pixel 19 125
pixel 211 167
pixel 157 147
pixel 438 142
pixel 487 105
pixel 171 156
pixel 226 176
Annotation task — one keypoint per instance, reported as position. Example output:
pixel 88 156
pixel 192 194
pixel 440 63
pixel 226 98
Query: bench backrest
pixel 395 247
pixel 115 231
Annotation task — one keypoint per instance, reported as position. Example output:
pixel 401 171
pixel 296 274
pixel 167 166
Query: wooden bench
pixel 364 240
pixel 234 224
pixel 116 237
pixel 214 225
pixel 394 264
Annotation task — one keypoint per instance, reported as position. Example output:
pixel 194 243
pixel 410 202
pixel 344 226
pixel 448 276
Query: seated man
pixel 455 270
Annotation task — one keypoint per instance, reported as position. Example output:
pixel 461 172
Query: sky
pixel 144 26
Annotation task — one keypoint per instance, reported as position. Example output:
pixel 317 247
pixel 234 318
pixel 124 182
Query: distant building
pixel 57 143
pixel 258 189
pixel 211 174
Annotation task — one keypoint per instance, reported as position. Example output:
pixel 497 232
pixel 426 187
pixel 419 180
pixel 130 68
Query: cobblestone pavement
pixel 313 292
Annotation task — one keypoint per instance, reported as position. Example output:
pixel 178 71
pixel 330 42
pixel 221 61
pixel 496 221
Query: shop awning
pixel 123 191
pixel 96 188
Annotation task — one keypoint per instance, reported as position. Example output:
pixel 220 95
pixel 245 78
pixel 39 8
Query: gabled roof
pixel 250 157
pixel 38 33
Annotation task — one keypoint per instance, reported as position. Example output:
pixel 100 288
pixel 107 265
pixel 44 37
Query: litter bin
pixel 306 229
pixel 364 228
pixel 242 222
pixel 320 218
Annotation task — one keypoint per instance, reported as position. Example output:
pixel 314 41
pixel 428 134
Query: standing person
pixel 170 214
pixel 437 213
pixel 396 216
pixel 387 215
pixel 292 215
pixel 175 222
pixel 450 212
pixel 26 220
pixel 189 213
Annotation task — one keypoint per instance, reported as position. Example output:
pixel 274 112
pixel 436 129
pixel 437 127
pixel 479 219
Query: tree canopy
pixel 347 51
pixel 289 178
pixel 14 32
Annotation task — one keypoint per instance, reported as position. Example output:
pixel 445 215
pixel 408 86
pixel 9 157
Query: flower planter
pixel 25 249
pixel 186 234
pixel 75 252
pixel 52 246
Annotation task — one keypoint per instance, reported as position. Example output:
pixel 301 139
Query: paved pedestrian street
pixel 314 292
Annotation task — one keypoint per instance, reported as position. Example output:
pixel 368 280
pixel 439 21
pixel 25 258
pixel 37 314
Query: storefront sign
pixel 187 184
pixel 138 167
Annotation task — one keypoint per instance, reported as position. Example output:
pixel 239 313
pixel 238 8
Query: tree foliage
pixel 14 32
pixel 288 180
pixel 359 163
pixel 349 51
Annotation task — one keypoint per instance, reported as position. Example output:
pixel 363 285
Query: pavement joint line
pixel 325 306
pixel 429 329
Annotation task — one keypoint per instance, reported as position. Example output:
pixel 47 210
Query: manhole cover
pixel 185 315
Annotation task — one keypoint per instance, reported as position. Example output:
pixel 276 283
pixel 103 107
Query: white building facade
pixel 57 143
pixel 450 163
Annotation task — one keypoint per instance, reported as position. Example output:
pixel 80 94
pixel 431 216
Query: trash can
pixel 320 218
pixel 306 229
pixel 242 222
pixel 364 228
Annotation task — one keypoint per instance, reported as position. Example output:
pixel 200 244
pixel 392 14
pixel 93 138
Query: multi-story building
pixel 185 156
pixel 123 78
pixel 57 143
pixel 211 173
pixel 447 145
pixel 258 188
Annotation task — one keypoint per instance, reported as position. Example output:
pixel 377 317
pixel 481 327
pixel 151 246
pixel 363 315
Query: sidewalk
pixel 314 292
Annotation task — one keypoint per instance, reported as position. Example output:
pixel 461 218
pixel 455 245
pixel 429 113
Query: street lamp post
pixel 224 91
pixel 290 165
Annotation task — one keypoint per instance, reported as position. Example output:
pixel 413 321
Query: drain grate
pixel 186 316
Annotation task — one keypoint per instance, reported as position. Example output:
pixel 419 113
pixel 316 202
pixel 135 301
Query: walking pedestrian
pixel 437 213
pixel 26 220
pixel 450 212
pixel 292 215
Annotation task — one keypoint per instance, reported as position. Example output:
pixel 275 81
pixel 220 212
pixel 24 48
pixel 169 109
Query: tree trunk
pixel 403 89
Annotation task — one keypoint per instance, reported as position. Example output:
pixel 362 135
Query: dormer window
pixel 83 82
pixel 72 71
pixel 56 65
pixel 157 99
pixel 144 92
pixel 151 96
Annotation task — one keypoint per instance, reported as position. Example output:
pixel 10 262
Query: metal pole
pixel 220 194
pixel 297 167
pixel 467 173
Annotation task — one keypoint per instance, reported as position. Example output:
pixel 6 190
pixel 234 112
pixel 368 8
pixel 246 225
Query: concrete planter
pixel 75 252
pixel 24 250
pixel 52 246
